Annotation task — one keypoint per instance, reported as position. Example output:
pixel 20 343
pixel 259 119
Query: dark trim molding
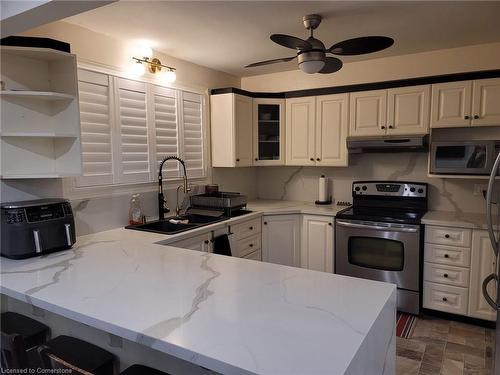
pixel 363 86
pixel 459 318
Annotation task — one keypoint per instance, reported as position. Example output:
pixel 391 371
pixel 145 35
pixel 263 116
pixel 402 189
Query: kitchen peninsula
pixel 227 314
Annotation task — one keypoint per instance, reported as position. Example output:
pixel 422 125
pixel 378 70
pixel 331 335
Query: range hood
pixel 357 145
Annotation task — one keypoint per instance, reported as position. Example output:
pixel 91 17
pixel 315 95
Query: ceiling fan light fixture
pixel 312 61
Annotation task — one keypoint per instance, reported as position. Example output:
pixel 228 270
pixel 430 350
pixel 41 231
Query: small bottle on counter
pixel 135 215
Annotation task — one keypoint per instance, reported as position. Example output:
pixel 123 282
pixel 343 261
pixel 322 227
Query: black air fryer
pixel 31 228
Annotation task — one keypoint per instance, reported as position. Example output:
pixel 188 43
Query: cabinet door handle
pixel 237 159
pixel 445 275
pixel 318 159
pixel 311 159
pixel 207 241
pixel 446 236
pixel 330 224
pixel 476 117
pixel 391 127
pixel 256 159
pixel 445 299
pixel 466 117
pixel 251 245
pixel 382 127
pixel 446 256
pixel 251 228
pixel 265 222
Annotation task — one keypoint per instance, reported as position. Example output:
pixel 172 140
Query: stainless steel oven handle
pixel 376 227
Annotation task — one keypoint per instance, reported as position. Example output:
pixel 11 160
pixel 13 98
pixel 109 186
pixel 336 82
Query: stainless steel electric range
pixel 381 237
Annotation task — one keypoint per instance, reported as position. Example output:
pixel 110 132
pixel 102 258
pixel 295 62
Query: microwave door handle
pixel 375 227
pixel 36 237
pixel 68 233
pixel 484 288
pixel 489 203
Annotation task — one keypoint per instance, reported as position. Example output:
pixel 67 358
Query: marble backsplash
pixel 301 183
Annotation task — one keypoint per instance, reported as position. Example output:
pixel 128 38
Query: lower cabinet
pixel 201 242
pixel 482 264
pixel 281 239
pixel 317 243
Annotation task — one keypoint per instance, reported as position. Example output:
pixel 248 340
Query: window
pixel 129 126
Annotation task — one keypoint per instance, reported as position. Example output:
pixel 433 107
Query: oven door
pixel 379 251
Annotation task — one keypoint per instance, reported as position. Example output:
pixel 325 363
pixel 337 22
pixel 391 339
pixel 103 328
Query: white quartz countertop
pixel 455 219
pixel 228 314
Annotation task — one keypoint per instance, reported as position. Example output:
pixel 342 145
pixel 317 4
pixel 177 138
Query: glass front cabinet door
pixel 268 129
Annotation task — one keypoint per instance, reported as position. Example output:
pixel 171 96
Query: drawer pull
pixel 445 299
pixel 207 241
pixel 446 256
pixel 446 236
pixel 445 275
pixel 251 228
pixel 265 222
pixel 330 224
pixel 251 245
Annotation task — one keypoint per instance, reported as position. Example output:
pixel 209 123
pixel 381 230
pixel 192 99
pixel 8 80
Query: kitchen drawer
pixel 448 236
pixel 247 228
pixel 247 246
pixel 450 255
pixel 439 273
pixel 256 255
pixel 452 299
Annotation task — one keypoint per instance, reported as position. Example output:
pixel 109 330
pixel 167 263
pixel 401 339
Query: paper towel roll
pixel 323 189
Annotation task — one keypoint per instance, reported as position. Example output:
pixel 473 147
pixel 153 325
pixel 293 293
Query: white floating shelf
pixel 38 134
pixel 36 175
pixel 41 95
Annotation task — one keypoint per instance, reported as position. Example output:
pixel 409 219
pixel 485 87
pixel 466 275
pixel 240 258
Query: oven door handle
pixel 376 227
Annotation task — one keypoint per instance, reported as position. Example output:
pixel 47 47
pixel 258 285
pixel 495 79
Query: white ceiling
pixel 227 35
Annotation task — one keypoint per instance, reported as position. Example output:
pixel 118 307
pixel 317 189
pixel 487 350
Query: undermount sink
pixel 167 227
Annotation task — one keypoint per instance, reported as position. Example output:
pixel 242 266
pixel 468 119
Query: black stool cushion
pixel 33 332
pixel 142 370
pixel 82 354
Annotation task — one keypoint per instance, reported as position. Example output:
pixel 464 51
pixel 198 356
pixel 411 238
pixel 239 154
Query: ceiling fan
pixel 311 53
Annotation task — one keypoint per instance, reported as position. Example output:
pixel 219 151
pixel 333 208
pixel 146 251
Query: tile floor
pixel 445 347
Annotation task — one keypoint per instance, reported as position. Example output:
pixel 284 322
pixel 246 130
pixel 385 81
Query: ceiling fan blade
pixel 332 64
pixel 273 61
pixel 362 45
pixel 290 41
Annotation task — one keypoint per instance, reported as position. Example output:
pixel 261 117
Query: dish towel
pixel 222 245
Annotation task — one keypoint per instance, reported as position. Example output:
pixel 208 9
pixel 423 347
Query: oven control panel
pixel 389 188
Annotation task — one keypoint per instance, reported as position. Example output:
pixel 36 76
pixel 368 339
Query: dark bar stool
pixel 142 370
pixel 65 352
pixel 19 334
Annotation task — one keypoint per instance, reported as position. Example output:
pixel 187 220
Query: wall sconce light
pixel 154 66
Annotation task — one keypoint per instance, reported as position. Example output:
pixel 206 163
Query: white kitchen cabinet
pixel 281 239
pixel 451 104
pixel 268 131
pixel 408 110
pixel 397 111
pixel 486 102
pixel 466 103
pixel 331 130
pixel 368 113
pixel 231 125
pixel 482 264
pixel 201 242
pixel 316 130
pixel 300 131
pixel 317 243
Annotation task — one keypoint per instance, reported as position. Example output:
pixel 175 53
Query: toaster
pixel 36 227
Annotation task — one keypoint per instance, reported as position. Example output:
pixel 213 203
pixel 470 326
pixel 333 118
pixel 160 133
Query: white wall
pixel 301 183
pixel 454 60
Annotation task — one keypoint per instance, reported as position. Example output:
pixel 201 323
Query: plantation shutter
pixel 192 133
pixel 132 127
pixel 165 139
pixel 96 130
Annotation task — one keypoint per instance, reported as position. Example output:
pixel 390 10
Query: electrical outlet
pixel 479 188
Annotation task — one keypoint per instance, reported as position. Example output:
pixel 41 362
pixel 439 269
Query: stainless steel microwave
pixel 463 157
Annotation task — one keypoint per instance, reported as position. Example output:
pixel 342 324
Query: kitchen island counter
pixel 228 314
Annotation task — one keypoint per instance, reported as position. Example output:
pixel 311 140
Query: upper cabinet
pixel 398 111
pixel 466 103
pixel 316 130
pixel 268 131
pixel 231 125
